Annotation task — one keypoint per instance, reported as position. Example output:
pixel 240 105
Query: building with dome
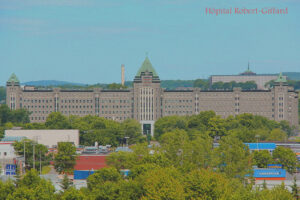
pixel 146 101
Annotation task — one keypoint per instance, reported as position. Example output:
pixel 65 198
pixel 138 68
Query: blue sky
pixel 86 41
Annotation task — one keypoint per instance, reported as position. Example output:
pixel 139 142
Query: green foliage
pixel 6 189
pixel 201 83
pixel 13 116
pixel 277 135
pixel 249 85
pixel 262 158
pixel 164 183
pixel 101 176
pixel 72 194
pixel 276 193
pixel 39 149
pixel 115 86
pixel 65 159
pixel 2 94
pixel 173 84
pixel 245 127
pixel 233 158
pixel 167 124
pixel 286 157
pixel 205 184
pixel 295 190
pixel 66 183
pixel 31 187
pixel 56 120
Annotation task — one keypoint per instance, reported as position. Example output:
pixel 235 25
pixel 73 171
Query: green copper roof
pixel 280 78
pixel 146 67
pixel 13 78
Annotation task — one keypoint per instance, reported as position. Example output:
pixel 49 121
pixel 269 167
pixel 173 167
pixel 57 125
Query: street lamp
pixel 33 159
pixel 24 153
pixel 257 137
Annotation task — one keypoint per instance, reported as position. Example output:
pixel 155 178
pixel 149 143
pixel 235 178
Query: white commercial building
pixel 7 150
pixel 49 138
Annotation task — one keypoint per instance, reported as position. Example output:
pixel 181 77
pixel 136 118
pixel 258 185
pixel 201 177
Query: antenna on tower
pixel 248 65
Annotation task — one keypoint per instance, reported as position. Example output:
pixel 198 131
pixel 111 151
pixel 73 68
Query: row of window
pixel 76 106
pixel 76 101
pixel 37 100
pixel 178 112
pixel 178 101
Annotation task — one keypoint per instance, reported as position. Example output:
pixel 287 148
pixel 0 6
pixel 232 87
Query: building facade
pixel 49 138
pixel 260 79
pixel 147 101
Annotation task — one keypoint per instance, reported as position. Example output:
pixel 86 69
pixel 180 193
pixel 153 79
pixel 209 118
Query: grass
pixel 46 169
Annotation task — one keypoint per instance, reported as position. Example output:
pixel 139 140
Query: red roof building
pixel 90 162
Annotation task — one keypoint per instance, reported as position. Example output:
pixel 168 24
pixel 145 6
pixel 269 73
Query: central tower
pixel 147 96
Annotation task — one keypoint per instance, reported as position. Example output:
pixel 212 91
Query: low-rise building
pixel 50 138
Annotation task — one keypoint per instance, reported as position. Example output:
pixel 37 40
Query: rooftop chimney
pixel 123 74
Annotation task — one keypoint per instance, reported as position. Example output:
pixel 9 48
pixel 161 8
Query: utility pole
pixel 33 158
pixel 40 164
pixel 24 154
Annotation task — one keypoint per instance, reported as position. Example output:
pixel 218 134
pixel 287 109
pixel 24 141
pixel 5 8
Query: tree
pixel 172 144
pixel 233 158
pixel 276 193
pixel 277 135
pixel 31 186
pixel 5 114
pixel 72 194
pixel 262 158
pixel 206 184
pixel 2 94
pixel 66 183
pixel 201 83
pixel 39 149
pixel 286 157
pixel 65 159
pixel 101 176
pixel 6 188
pixel 132 129
pixel 169 123
pixel 116 86
pixel 295 190
pixel 56 120
pixel 164 183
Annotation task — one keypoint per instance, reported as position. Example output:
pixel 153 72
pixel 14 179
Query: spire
pixel 146 67
pixel 280 78
pixel 248 66
pixel 13 78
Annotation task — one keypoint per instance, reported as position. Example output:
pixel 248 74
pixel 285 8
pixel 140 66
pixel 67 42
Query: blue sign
pixel 10 169
pixel 269 173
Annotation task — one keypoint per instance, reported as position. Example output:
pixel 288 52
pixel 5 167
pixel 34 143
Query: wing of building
pixel 261 80
pixel 147 101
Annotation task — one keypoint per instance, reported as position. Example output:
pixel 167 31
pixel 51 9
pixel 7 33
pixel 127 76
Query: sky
pixel 86 41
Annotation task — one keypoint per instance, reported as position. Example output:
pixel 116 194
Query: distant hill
pixel 47 83
pixel 295 76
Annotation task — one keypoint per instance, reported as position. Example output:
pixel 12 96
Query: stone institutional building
pixel 260 79
pixel 147 101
